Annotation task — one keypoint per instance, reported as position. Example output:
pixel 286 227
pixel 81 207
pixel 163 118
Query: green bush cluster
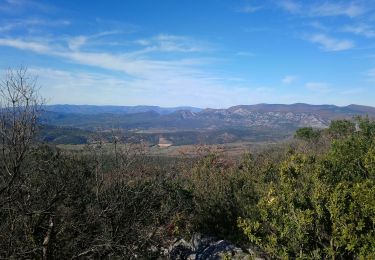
pixel 321 206
pixel 313 198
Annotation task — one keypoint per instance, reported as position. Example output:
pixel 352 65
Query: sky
pixel 211 53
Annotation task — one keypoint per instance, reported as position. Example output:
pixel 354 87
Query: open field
pixel 230 149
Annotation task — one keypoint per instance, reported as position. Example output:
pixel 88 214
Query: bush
pixel 321 205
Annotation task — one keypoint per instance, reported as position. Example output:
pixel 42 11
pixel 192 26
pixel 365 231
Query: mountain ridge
pixel 260 122
pixel 261 107
pixel 144 117
pixel 95 109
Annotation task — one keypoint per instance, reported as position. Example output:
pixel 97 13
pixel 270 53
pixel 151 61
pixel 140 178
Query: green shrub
pixel 321 205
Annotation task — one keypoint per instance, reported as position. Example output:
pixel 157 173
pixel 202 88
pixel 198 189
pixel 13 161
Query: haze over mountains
pixel 271 115
pixel 91 109
pixel 190 125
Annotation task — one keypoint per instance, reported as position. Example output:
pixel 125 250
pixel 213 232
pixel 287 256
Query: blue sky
pixel 212 53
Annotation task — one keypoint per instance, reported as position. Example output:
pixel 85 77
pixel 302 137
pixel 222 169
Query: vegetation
pixel 312 198
pixel 321 205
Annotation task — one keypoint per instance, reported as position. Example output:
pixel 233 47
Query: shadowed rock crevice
pixel 201 247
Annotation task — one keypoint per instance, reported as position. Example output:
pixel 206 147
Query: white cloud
pixel 319 26
pixel 145 80
pixel 26 45
pixel 250 9
pixel 245 54
pixel 289 79
pixel 76 42
pixel 131 63
pixel 352 91
pixel 31 24
pixel 346 8
pixel 142 42
pixel 197 90
pixel 350 9
pixel 290 6
pixel 19 6
pixel 320 87
pixel 328 43
pixel 167 42
pixel 360 29
pixel 370 74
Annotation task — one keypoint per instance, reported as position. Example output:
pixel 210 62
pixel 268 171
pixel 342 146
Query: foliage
pixel 220 193
pixel 312 199
pixel 321 205
pixel 308 133
pixel 341 128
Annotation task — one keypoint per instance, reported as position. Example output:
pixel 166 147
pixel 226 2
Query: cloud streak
pixel 370 74
pixel 346 8
pixel 360 29
pixel 350 9
pixel 250 9
pixel 328 43
pixel 203 90
pixel 20 6
pixel 319 87
pixel 132 63
pixel 289 79
pixel 145 79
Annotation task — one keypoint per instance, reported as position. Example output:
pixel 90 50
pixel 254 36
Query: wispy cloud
pixel 249 9
pixel 370 74
pixel 142 42
pixel 76 42
pixel 113 25
pixel 167 42
pixel 313 9
pixel 31 24
pixel 26 45
pixel 344 8
pixel 130 62
pixel 202 90
pixel 319 26
pixel 290 6
pixel 288 79
pixel 245 54
pixel 183 80
pixel 20 6
pixel 352 91
pixel 255 29
pixel 170 43
pixel 328 43
pixel 320 87
pixel 360 29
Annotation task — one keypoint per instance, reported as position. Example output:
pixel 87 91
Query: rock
pixel 199 241
pixel 180 250
pixel 202 247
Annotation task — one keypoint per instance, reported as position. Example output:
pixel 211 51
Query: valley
pixel 262 123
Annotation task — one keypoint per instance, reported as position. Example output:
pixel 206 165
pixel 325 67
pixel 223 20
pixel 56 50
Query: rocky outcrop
pixel 206 247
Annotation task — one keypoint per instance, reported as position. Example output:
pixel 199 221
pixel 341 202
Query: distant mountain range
pixel 270 115
pixel 191 125
pixel 90 109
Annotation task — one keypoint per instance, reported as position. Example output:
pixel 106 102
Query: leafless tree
pixel 20 105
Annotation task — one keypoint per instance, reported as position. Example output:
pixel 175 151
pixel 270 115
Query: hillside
pixel 91 109
pixel 187 125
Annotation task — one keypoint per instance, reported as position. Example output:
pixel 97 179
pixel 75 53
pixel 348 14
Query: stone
pixel 202 247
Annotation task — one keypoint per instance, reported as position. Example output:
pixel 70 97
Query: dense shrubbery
pixel 306 202
pixel 321 205
pixel 313 198
pixel 75 206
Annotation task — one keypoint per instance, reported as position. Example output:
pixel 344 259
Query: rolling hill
pixel 189 125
